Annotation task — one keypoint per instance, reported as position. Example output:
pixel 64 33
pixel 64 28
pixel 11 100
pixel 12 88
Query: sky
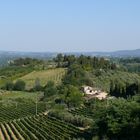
pixel 69 25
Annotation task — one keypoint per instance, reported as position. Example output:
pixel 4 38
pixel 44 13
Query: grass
pixel 44 76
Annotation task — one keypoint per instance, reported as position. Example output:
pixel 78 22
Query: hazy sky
pixel 69 25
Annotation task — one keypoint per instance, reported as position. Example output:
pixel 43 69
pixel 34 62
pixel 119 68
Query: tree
pixel 119 120
pixel 19 85
pixel 37 86
pixel 50 89
pixel 59 59
pixel 72 97
pixel 75 76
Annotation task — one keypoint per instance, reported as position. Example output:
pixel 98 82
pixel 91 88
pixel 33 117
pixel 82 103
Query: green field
pixel 13 95
pixel 44 76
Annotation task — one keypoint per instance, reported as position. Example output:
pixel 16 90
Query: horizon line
pixel 14 51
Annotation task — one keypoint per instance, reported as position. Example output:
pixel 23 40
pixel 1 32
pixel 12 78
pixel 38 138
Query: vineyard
pixel 14 110
pixel 82 112
pixel 39 127
pixel 55 75
pixel 28 120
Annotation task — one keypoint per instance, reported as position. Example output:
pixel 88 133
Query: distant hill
pixel 127 53
pixel 122 53
pixel 6 56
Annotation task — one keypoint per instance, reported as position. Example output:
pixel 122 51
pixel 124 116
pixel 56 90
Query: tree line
pixel 86 62
pixel 119 89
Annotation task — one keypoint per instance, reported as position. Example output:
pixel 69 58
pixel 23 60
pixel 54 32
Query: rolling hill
pixel 6 56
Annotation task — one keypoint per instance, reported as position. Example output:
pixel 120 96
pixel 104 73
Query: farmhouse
pixel 91 92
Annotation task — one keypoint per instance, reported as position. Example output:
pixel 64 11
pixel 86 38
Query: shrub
pixel 9 85
pixel 19 85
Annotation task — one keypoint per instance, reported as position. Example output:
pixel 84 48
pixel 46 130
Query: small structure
pixel 91 92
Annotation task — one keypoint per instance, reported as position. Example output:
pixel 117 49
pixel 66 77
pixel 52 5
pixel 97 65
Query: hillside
pixel 44 76
pixel 39 102
pixel 104 78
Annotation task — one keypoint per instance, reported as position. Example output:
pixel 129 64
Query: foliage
pixel 9 86
pixel 19 85
pixel 26 62
pixel 11 73
pixel 71 96
pixel 108 77
pixel 119 89
pixel 86 62
pixel 50 89
pixel 120 119
pixel 131 64
pixel 113 119
pixel 73 119
pixel 37 86
pixel 75 75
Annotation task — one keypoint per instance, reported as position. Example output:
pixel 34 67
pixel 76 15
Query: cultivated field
pixel 27 120
pixel 15 110
pixel 39 127
pixel 18 104
pixel 44 76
